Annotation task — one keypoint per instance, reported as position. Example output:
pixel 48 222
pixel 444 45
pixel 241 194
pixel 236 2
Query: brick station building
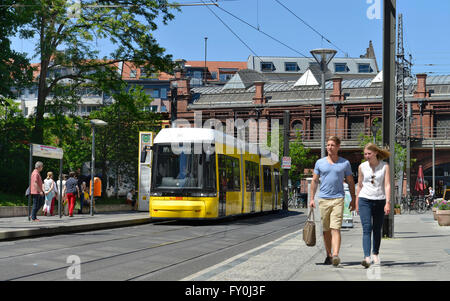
pixel 351 107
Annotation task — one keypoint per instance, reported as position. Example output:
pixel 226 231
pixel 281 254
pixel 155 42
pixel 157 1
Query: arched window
pixel 297 127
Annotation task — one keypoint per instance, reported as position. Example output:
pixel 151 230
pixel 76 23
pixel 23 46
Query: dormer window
pixel 364 68
pixel 267 67
pixel 341 67
pixel 291 66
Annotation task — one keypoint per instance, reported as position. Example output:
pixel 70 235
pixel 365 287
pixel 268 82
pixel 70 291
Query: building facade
pixel 352 105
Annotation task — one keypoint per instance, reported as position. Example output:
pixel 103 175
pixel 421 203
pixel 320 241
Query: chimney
pixel 337 95
pixel 421 90
pixel 183 86
pixel 259 93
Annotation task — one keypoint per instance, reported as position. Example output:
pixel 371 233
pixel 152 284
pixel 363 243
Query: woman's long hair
pixel 381 153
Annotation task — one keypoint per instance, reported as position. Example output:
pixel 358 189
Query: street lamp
pixel 323 56
pixel 94 123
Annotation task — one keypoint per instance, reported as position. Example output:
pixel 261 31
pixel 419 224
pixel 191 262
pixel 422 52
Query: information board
pixel 145 169
pixel 47 151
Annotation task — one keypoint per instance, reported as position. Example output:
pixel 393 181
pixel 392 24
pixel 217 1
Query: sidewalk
pixel 20 227
pixel 420 250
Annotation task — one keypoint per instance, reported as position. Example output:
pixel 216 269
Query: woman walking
pixel 372 199
pixel 49 191
pixel 72 191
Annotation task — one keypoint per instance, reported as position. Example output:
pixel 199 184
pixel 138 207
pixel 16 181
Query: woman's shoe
pixel 376 260
pixel 365 264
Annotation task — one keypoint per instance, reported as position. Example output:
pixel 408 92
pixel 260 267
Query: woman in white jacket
pixel 49 191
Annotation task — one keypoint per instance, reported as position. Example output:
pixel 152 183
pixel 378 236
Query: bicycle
pixel 405 201
pixel 295 200
pixel 416 203
pixel 421 205
pixel 292 202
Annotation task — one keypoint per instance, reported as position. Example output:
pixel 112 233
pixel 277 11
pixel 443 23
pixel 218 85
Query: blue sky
pixel 345 23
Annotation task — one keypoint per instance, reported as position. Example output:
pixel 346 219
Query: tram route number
pixel 233 290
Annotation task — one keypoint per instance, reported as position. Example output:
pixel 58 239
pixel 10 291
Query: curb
pixel 61 229
pixel 16 211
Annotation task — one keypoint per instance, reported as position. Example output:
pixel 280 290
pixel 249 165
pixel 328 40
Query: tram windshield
pixel 184 173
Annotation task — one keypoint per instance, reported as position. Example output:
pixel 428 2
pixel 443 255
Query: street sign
pixel 286 163
pixel 47 151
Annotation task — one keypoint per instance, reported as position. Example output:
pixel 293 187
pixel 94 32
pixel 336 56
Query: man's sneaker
pixel 336 261
pixel 327 260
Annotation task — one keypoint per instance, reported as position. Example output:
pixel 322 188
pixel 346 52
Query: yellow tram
pixel 204 174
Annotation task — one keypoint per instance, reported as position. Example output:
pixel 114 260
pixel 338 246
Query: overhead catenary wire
pixel 239 38
pixel 308 102
pixel 264 33
pixel 312 28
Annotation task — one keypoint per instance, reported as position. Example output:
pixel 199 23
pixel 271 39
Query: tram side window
pixel 236 174
pixel 267 176
pixel 210 175
pixel 230 167
pixel 252 175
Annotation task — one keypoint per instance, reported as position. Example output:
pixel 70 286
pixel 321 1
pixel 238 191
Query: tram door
pixel 222 187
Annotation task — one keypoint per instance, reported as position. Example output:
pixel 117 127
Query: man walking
pixel 332 170
pixel 36 190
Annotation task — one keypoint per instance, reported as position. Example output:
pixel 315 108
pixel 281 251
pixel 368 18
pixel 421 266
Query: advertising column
pixel 145 169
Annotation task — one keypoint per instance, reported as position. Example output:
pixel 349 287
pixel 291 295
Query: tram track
pixel 209 253
pixel 88 243
pixel 120 257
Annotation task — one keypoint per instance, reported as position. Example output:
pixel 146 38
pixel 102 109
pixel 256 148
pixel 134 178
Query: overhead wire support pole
pixel 389 103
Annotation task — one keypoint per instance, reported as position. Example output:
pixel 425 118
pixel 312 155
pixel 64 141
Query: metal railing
pixel 438 133
pixel 417 132
pixel 343 134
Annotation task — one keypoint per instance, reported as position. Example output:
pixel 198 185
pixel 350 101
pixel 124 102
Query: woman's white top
pixel 373 191
pixel 48 184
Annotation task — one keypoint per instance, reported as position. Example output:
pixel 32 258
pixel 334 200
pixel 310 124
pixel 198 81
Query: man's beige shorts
pixel 331 213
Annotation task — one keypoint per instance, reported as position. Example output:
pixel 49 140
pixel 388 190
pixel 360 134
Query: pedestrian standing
pixel 62 189
pixel 36 190
pixel 72 192
pixel 55 197
pixel 372 199
pixel 82 196
pixel 130 199
pixel 332 170
pixel 49 191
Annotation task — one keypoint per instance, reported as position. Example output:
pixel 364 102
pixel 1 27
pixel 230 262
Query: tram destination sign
pixel 47 151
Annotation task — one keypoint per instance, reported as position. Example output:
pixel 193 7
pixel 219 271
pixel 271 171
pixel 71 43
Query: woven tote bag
pixel 309 231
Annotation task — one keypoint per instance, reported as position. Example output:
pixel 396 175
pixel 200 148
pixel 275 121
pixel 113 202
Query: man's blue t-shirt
pixel 332 177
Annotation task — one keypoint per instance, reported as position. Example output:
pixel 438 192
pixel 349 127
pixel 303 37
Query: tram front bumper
pixel 177 209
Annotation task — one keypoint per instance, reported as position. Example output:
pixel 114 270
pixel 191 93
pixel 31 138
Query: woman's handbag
pixel 309 231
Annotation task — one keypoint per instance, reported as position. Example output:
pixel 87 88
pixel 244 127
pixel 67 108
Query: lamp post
pixel 323 56
pixel 94 123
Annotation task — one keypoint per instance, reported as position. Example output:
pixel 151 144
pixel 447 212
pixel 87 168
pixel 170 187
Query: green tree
pixel 14 150
pixel 15 70
pixel 66 35
pixel 400 151
pixel 301 157
pixel 117 144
